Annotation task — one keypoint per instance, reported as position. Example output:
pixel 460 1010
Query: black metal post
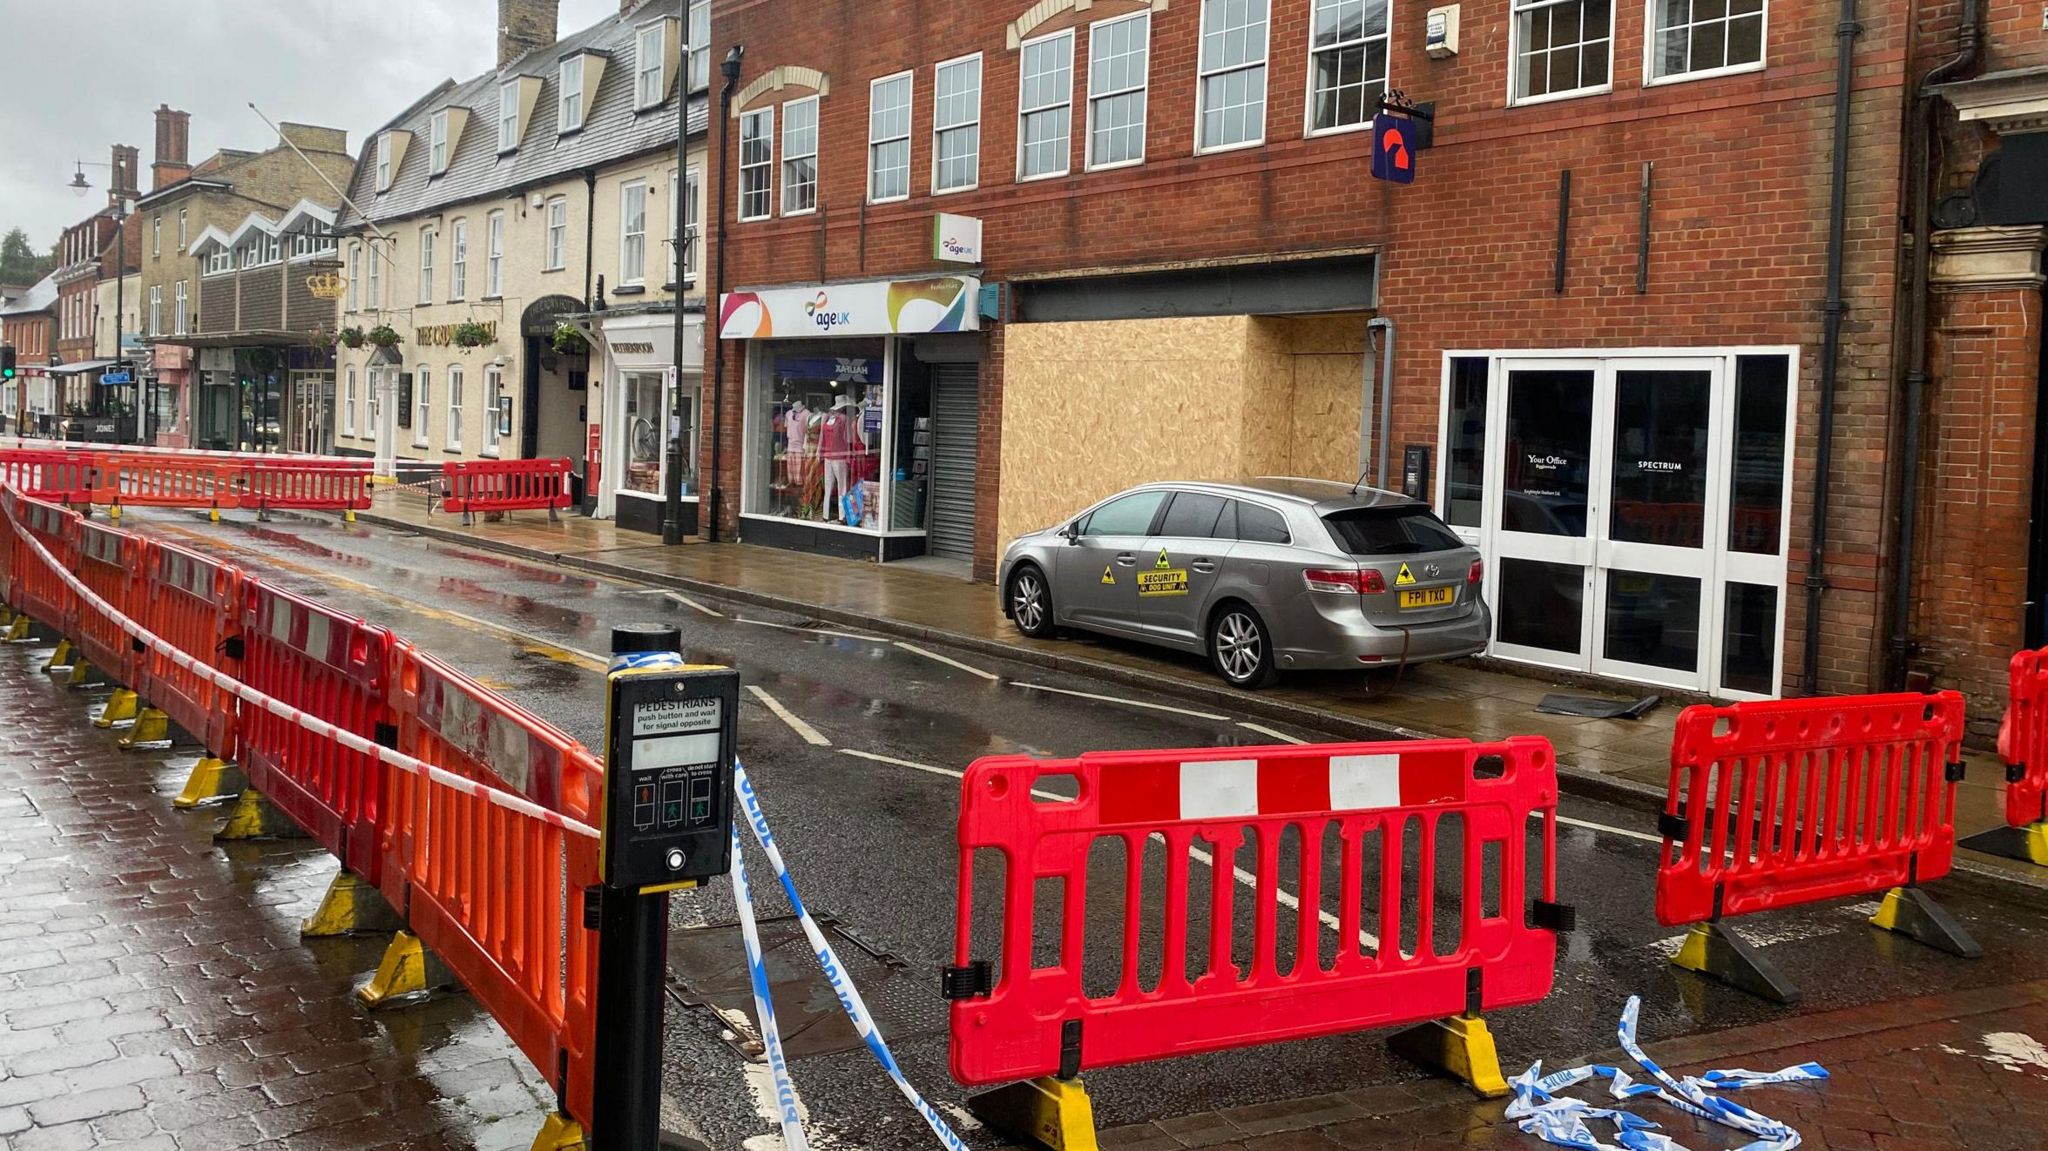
pixel 730 70
pixel 632 963
pixel 672 483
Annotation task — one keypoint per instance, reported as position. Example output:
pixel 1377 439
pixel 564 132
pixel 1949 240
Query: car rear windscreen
pixel 1390 531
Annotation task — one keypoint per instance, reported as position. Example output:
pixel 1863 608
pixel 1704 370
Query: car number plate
pixel 1428 597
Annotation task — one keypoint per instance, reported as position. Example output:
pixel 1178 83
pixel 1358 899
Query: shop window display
pixel 823 423
pixel 643 433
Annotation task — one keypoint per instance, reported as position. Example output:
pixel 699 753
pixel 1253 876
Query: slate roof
pixel 612 128
pixel 39 298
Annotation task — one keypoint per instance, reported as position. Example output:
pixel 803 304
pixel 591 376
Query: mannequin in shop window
pixel 837 435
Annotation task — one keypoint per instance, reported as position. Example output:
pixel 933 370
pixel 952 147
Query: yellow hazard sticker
pixel 1405 578
pixel 1108 576
pixel 1158 583
pixel 1163 563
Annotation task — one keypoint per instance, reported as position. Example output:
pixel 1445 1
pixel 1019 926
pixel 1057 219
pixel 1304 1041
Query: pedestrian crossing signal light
pixel 6 361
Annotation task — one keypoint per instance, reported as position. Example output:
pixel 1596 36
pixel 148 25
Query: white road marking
pixel 809 733
pixel 809 630
pixel 949 662
pixel 1268 732
pixel 1284 897
pixel 1125 702
pixel 1591 826
pixel 686 601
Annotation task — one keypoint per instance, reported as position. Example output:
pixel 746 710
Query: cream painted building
pixel 514 233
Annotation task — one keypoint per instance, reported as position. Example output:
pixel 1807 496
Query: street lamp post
pixel 80 185
pixel 672 488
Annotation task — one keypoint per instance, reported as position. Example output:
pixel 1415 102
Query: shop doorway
pixel 1632 512
pixel 956 436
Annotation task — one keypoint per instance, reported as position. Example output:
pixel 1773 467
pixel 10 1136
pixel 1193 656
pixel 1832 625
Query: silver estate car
pixel 1260 576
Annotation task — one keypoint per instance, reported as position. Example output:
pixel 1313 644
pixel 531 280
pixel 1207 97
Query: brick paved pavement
pixel 1964 1071
pixel 154 992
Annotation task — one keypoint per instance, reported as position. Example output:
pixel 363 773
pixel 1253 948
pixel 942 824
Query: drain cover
pixel 707 969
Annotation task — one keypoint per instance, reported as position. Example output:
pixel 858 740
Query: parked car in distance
pixel 1262 576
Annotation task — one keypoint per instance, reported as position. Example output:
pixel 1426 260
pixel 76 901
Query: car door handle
pixel 1126 559
pixel 1204 566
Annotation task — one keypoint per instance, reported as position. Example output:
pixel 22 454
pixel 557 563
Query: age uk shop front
pixel 1632 508
pixel 839 437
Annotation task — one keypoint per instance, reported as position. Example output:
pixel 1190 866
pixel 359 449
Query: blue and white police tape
pixel 1538 1110
pixel 764 1007
pixel 635 660
pixel 828 959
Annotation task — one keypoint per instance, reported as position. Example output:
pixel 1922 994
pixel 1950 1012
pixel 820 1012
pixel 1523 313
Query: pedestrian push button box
pixel 668 777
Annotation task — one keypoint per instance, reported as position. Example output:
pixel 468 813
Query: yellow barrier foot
pixel 1714 951
pixel 82 673
pixel 349 906
pixel 1050 1113
pixel 60 659
pixel 348 516
pixel 558 1132
pixel 2027 844
pixel 255 817
pixel 151 727
pixel 121 707
pixel 18 631
pixel 114 513
pixel 213 515
pixel 210 779
pixel 1913 913
pixel 407 972
pixel 1460 1047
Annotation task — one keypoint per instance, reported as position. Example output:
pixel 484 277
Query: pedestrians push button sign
pixel 1393 149
pixel 668 777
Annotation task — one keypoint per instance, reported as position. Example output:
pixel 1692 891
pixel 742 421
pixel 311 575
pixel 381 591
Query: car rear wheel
pixel 1030 602
pixel 1240 647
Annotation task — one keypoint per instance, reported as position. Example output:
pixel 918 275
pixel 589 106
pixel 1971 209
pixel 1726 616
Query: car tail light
pixel 1477 573
pixel 1347 580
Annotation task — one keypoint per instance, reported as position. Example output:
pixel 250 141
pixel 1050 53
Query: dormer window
pixel 508 116
pixel 650 60
pixel 572 94
pixel 438 151
pixel 384 163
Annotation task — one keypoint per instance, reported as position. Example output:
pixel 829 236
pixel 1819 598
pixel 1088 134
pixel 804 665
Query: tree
pixel 19 263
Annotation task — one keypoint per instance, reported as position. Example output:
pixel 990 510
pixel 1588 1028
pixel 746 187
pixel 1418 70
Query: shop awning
pixel 81 366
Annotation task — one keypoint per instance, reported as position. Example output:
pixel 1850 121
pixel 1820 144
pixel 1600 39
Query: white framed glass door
pixel 1631 509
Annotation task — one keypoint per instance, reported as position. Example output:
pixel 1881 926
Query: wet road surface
pixel 855 741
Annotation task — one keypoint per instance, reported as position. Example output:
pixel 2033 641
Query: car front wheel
pixel 1030 602
pixel 1240 647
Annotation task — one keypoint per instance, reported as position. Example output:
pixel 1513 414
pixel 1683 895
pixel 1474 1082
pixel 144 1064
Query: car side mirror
pixel 1071 533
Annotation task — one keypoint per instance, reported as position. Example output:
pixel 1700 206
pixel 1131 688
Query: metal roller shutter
pixel 956 430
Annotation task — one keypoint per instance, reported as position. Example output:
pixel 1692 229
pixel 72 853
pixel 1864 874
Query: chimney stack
pixel 123 186
pixel 173 141
pixel 525 25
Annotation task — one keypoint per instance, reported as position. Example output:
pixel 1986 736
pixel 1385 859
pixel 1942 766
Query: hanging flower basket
pixel 350 337
pixel 570 340
pixel 471 334
pixel 382 336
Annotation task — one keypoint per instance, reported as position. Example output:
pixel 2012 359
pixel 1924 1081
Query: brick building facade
pixel 1616 251
pixel 96 251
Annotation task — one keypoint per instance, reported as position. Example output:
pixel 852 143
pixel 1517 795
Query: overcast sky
pixel 82 75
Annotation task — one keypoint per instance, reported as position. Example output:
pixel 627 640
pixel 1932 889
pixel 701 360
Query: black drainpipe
pixel 1846 31
pixel 1926 124
pixel 589 232
pixel 730 69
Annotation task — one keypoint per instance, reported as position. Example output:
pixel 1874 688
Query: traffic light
pixel 6 361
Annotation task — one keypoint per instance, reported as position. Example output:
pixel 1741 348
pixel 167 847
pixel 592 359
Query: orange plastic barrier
pixel 506 485
pixel 110 563
pixel 333 667
pixel 1196 970
pixel 38 591
pixel 310 485
pixel 58 476
pixel 449 720
pixel 193 603
pixel 138 479
pixel 1785 802
pixel 2023 740
pixel 498 896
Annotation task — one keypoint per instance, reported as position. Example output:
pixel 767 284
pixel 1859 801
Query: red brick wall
pixel 1738 227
